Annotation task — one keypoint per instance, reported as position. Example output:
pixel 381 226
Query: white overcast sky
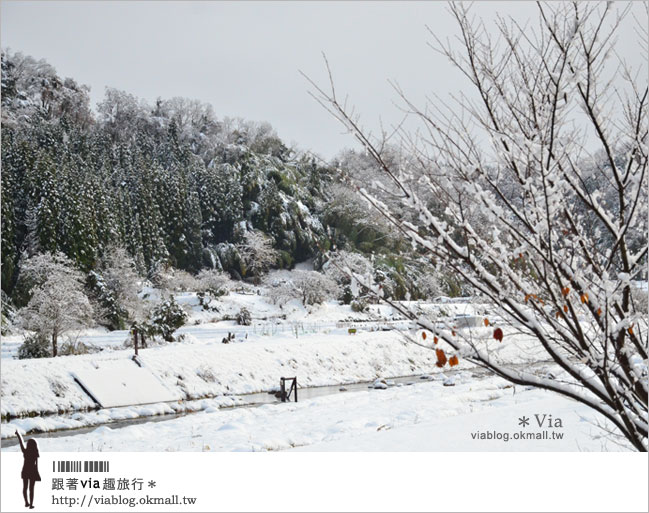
pixel 244 57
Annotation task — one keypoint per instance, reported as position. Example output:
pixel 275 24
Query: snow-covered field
pixel 423 417
pixel 268 319
pixel 197 369
pixel 204 367
pixel 192 370
pixel 200 373
pixel 283 340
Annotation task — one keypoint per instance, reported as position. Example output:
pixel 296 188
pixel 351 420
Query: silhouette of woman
pixel 30 468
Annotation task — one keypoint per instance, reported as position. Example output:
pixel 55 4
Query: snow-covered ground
pixel 423 417
pixel 268 319
pixel 195 369
pixel 79 420
pixel 290 339
pixel 200 373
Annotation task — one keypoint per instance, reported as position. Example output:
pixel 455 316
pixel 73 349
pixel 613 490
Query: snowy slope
pixel 200 369
pixel 43 386
pixel 114 384
pixel 317 351
pixel 427 416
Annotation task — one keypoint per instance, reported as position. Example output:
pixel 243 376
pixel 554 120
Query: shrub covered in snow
pixel 35 346
pixel 244 317
pixel 359 305
pixel 182 281
pixel 166 318
pixel 72 347
pixel 175 280
pixel 215 282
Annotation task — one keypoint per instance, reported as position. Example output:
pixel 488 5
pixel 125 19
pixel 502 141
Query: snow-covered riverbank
pixel 422 417
pixel 195 369
pixel 201 373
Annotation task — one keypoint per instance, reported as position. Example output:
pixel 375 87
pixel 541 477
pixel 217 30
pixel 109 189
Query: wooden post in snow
pixel 135 339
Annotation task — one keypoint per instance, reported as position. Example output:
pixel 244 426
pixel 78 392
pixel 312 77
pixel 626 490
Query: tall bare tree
pixel 533 189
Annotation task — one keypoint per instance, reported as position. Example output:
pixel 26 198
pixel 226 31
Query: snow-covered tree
pixel 313 287
pixel 346 268
pixel 117 285
pixel 310 287
pixel 168 182
pixel 244 317
pixel 213 281
pixel 428 284
pixel 257 252
pixel 32 87
pixel 518 222
pixel 166 317
pixel 341 264
pixel 123 114
pixel 353 222
pixel 210 285
pixel 121 277
pixel 58 302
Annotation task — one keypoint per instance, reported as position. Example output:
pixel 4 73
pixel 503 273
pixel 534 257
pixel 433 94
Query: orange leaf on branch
pixel 486 322
pixel 453 361
pixel 498 334
pixel 441 358
pixel 423 335
pixel 584 298
pixel 565 291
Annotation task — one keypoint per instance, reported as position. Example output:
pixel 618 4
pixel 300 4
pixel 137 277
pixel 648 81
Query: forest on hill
pixel 175 187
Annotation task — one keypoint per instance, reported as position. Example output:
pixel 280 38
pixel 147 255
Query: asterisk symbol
pixel 151 484
pixel 523 421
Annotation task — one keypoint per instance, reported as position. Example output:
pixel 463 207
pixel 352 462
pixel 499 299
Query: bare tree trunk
pixel 55 350
pixel 135 340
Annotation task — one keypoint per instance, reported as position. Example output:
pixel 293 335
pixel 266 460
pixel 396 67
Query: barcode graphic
pixel 80 466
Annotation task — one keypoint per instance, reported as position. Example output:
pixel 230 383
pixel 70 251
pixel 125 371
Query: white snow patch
pixel 123 383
